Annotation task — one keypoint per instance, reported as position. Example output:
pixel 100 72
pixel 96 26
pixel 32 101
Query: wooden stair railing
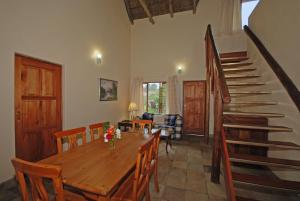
pixel 221 68
pixel 230 191
pixel 216 83
pixel 277 69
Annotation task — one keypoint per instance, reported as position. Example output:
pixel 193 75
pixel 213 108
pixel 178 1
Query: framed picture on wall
pixel 108 90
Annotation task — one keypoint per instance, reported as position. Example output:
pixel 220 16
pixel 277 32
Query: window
pixel 155 97
pixel 247 8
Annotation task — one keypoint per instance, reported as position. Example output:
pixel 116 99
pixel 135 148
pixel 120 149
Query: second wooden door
pixel 194 107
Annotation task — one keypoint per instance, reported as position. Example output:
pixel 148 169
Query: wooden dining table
pixel 96 169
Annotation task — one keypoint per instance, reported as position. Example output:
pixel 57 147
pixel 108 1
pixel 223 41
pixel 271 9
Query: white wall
pixel 277 25
pixel 157 49
pixel 65 32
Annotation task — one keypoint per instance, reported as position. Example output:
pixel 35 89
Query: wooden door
pixel 37 107
pixel 194 107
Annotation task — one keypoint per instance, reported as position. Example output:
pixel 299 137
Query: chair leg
pixel 156 178
pixel 148 198
pixel 167 143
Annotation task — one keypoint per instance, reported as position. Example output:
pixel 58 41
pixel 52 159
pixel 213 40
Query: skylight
pixel 247 9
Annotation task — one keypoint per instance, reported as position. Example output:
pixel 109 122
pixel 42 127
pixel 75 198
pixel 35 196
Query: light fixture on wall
pixel 179 69
pixel 98 58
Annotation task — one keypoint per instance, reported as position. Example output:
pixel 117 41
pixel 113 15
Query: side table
pixel 125 125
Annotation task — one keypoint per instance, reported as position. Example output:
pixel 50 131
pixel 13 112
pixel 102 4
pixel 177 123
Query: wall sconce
pixel 179 69
pixel 98 58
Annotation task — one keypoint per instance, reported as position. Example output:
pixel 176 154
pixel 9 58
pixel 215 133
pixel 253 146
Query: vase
pixel 112 144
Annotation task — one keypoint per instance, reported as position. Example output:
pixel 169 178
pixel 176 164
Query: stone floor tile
pixel 195 167
pixel 194 196
pixel 195 175
pixel 173 194
pixel 198 186
pixel 153 192
pixel 180 157
pixel 216 198
pixel 180 164
pixel 215 190
pixel 177 178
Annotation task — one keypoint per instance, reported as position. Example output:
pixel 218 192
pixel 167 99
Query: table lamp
pixel 132 108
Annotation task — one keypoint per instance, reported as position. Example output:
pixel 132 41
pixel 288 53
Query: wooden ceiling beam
pixel 147 11
pixel 171 9
pixel 128 11
pixel 195 3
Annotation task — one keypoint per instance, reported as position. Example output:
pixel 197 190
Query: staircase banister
pixel 277 69
pixel 224 88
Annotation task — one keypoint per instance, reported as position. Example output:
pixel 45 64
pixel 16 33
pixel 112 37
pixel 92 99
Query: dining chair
pixel 36 173
pixel 142 123
pixel 96 129
pixel 71 136
pixel 137 184
pixel 154 159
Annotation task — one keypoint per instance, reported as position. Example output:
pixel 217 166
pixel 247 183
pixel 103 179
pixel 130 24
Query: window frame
pixel 147 101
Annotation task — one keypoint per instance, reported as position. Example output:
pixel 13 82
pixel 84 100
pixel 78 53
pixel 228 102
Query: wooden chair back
pixel 154 159
pixel 142 170
pixel 36 173
pixel 71 135
pixel 142 123
pixel 96 130
pixel 156 144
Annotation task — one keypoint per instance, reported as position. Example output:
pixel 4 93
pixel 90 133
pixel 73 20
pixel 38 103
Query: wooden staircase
pixel 238 73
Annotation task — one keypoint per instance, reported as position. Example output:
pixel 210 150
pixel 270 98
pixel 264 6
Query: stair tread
pixel 237 69
pixel 250 92
pixel 245 84
pixel 253 103
pixel 233 54
pixel 234 59
pixel 246 126
pixel 270 144
pixel 233 65
pixel 239 113
pixel 244 199
pixel 262 160
pixel 241 76
pixel 266 181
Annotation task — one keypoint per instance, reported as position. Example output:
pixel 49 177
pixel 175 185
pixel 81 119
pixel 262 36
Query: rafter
pixel 147 11
pixel 195 3
pixel 128 11
pixel 171 8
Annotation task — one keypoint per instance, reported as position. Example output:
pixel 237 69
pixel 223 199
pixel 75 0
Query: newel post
pixel 218 121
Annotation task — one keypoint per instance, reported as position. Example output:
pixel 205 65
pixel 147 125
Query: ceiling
pixel 140 9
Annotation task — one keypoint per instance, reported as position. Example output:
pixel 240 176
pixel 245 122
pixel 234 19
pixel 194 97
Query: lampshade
pixel 132 107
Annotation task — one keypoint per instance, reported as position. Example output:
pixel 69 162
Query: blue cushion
pixel 147 116
pixel 172 121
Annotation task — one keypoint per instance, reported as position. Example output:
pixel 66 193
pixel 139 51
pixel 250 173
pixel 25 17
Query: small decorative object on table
pixel 118 134
pixel 110 137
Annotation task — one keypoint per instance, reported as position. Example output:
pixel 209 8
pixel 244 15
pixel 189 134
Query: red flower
pixel 109 136
pixel 110 131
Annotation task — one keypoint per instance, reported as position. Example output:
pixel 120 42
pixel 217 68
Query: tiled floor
pixel 184 174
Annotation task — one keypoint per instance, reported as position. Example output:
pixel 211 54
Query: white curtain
pixel 173 95
pixel 136 93
pixel 231 19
